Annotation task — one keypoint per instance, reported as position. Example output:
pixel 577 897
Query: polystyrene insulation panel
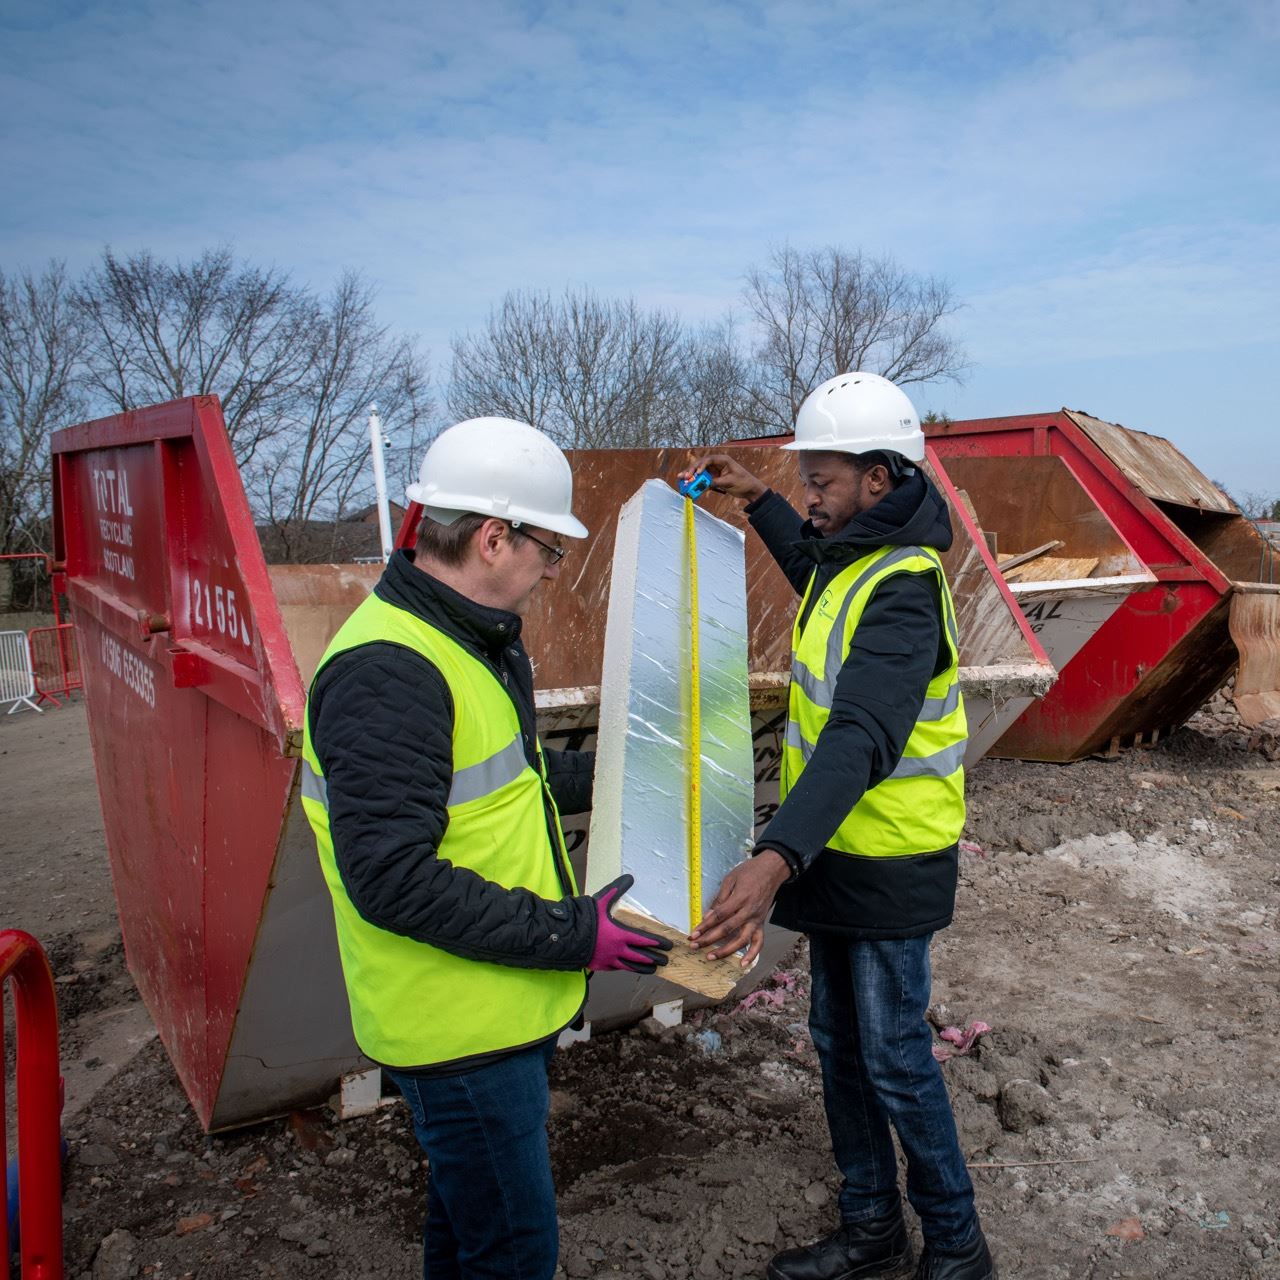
pixel 640 817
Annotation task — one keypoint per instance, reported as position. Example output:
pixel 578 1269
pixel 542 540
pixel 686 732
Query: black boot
pixel 877 1247
pixel 973 1262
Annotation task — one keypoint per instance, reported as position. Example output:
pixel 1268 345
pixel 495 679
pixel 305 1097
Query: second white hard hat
pixel 859 413
pixel 498 467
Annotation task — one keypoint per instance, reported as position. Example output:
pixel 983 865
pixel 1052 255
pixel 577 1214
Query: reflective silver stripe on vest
pixel 948 611
pixel 797 741
pixel 942 764
pixel 313 785
pixel 488 776
pixel 809 684
pixel 940 708
pixel 822 692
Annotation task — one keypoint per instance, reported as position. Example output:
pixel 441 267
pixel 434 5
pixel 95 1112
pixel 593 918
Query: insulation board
pixel 640 818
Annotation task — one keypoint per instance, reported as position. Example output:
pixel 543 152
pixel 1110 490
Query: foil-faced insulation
pixel 640 820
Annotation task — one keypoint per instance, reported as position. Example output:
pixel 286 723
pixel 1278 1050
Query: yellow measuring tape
pixel 695 724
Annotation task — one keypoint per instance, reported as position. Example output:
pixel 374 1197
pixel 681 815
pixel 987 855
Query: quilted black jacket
pixel 381 719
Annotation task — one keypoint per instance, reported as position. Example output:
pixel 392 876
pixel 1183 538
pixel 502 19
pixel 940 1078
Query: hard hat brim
pixel 568 526
pixel 912 452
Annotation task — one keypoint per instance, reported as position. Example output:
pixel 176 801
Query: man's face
pixel 835 491
pixel 522 564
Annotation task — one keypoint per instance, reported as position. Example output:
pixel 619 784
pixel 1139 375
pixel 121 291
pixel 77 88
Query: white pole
pixel 377 443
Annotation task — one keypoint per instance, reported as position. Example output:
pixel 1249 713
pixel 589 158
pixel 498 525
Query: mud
pixel 1117 928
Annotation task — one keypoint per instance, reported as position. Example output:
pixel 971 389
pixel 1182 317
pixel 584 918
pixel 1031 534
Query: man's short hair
pixel 898 467
pixel 447 543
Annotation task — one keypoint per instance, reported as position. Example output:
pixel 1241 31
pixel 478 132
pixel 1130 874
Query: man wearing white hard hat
pixel 465 943
pixel 862 852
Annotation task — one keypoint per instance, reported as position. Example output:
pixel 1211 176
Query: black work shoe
pixel 877 1247
pixel 973 1262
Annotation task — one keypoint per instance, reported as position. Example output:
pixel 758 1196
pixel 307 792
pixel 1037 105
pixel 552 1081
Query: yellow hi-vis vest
pixel 919 808
pixel 413 1004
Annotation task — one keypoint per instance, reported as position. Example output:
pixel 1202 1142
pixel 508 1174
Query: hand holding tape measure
pixel 720 473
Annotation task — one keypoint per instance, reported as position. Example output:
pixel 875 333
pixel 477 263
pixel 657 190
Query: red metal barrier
pixel 55 660
pixel 39 1096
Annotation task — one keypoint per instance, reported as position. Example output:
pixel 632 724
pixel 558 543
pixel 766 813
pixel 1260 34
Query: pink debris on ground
pixel 972 846
pixel 775 995
pixel 963 1040
pixel 774 998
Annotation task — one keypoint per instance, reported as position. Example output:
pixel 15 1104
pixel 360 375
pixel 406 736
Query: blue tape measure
pixel 696 486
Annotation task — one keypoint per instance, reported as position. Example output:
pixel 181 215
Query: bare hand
pixel 727 476
pixel 736 918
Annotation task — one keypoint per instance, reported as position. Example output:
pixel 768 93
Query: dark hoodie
pixel 897 649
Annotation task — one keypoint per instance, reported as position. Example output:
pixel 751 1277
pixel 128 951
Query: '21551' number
pixel 216 610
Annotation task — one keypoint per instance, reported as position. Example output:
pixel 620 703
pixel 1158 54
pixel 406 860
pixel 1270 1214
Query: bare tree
pixel 830 311
pixel 508 368
pixel 159 331
pixel 715 376
pixel 595 373
pixel 315 463
pixel 1257 506
pixel 40 347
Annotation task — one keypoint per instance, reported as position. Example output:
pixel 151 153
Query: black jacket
pixel 381 719
pixel 898 647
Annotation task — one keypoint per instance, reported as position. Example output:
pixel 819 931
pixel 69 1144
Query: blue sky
pixel 1099 182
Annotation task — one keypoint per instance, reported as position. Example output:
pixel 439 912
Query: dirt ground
pixel 1117 929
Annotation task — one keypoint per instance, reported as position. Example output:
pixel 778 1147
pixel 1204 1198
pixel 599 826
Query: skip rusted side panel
pixel 1154 465
pixel 314 601
pixel 564 631
pixel 1255 628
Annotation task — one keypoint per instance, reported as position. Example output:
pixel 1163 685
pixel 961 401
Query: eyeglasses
pixel 554 554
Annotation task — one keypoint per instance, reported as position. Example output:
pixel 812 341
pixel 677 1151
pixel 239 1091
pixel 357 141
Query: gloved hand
pixel 618 947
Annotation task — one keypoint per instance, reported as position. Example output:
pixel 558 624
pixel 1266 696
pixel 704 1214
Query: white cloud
pixel 1172 290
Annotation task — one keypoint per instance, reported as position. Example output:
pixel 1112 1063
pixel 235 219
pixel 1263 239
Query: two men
pixel 463 937
pixel 436 811
pixel 862 852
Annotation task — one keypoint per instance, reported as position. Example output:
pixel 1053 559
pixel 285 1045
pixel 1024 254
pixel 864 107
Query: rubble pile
pixel 1219 718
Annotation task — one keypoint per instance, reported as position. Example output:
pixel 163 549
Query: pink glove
pixel 618 947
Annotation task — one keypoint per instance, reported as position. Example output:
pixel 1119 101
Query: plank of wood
pixel 693 970
pixel 1014 559
pixel 1053 569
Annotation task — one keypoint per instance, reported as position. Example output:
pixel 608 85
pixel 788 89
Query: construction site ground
pixel 1116 928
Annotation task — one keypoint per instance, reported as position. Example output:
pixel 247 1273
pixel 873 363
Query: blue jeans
pixel 491 1204
pixel 878 1069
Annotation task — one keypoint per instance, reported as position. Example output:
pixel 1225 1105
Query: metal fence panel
pixel 17 680
pixel 55 662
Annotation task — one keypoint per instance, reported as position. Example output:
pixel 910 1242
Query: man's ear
pixel 490 537
pixel 878 479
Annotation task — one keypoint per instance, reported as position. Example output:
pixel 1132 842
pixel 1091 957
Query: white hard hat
pixel 498 467
pixel 859 413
